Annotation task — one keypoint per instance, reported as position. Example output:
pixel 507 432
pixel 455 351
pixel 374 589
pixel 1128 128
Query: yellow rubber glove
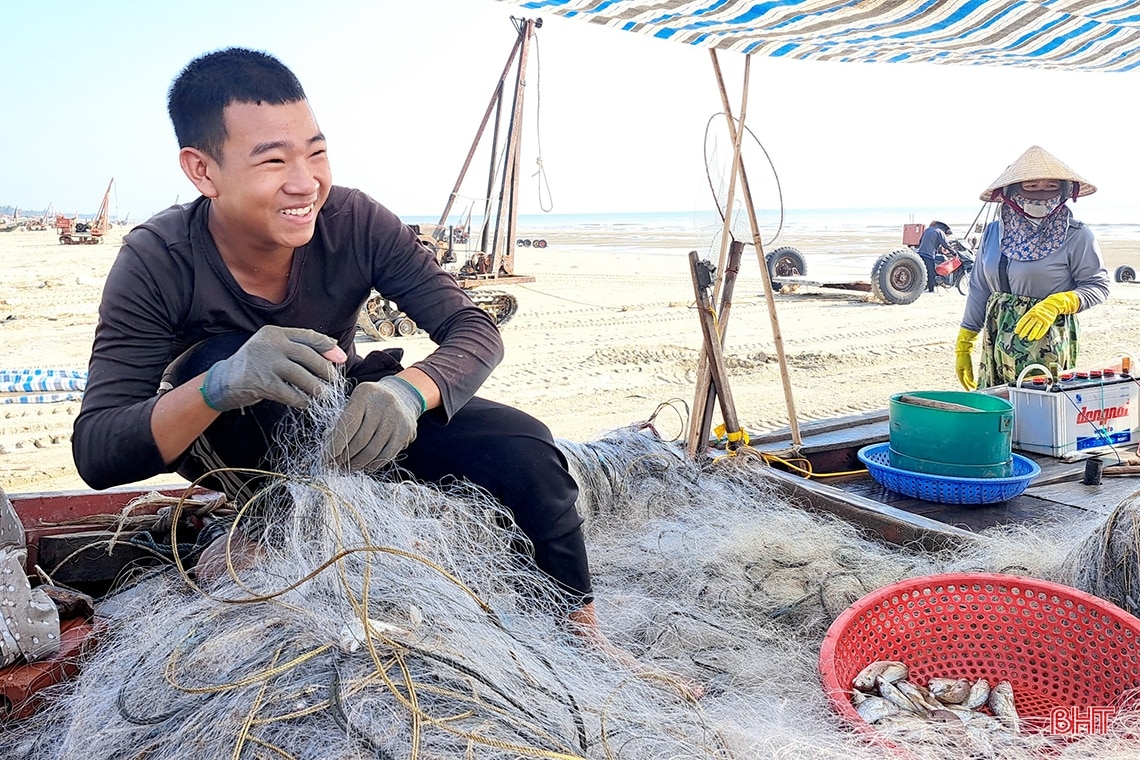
pixel 963 362
pixel 1041 317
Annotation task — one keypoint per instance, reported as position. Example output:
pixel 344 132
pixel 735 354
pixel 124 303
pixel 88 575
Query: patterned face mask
pixel 1027 239
pixel 1036 209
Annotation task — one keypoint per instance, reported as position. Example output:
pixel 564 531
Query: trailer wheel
pixel 899 277
pixel 367 326
pixel 785 262
pixel 1125 274
pixel 405 327
pixel 540 243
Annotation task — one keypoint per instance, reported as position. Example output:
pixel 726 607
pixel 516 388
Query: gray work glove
pixel 283 364
pixel 378 422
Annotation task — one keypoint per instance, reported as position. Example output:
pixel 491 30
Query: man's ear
pixel 198 168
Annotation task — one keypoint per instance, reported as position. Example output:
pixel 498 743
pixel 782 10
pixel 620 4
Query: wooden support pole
pixel 713 349
pixel 701 418
pixel 729 283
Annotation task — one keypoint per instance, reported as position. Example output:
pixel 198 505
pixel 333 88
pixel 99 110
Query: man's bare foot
pixel 584 624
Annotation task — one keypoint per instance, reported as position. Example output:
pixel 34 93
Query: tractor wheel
pixel 899 277
pixel 1125 273
pixel 785 262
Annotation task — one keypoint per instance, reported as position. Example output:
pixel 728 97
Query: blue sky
pixel 399 89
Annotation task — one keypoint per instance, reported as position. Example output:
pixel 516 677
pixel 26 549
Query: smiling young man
pixel 220 314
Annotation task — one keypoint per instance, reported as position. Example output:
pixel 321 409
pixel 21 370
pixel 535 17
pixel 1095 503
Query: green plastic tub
pixel 964 444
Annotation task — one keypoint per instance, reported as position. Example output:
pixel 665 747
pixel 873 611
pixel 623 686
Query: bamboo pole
pixel 700 417
pixel 777 337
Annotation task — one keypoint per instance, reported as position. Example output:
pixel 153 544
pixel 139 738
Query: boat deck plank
pixel 1057 494
pixel 1062 501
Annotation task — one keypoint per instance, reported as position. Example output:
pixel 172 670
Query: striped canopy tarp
pixel 1078 35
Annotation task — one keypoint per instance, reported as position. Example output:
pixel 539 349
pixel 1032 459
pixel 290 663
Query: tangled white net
pixel 398 620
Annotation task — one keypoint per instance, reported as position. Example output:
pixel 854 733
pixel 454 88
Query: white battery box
pixel 1075 415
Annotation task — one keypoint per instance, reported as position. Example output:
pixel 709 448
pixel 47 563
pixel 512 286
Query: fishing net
pixel 764 184
pixel 1107 562
pixel 386 619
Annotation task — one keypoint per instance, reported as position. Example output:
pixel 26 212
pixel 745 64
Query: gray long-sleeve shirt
pixel 1076 265
pixel 169 289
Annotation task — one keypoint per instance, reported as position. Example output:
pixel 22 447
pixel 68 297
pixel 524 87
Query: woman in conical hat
pixel 1037 267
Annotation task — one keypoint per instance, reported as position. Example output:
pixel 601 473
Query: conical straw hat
pixel 1037 163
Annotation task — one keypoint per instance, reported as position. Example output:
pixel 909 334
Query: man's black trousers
pixel 505 451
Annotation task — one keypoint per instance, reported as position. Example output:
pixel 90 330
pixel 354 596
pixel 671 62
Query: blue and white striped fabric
pixel 41 385
pixel 40 398
pixel 1077 35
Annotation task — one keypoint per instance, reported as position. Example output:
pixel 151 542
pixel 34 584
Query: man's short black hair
pixel 199 95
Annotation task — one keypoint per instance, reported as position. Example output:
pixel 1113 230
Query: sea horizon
pixel 1106 222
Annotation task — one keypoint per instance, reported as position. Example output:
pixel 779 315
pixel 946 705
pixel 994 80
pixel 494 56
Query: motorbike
pixel 953 266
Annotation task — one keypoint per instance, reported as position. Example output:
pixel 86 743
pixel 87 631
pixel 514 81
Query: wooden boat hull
pixel 57 527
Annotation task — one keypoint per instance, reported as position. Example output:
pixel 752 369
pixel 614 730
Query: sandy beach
pixel 606 336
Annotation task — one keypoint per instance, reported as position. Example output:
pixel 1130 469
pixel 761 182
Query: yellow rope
pixel 413 703
pixel 171 666
pixel 807 471
pixel 803 468
pixel 243 732
pixel 274 747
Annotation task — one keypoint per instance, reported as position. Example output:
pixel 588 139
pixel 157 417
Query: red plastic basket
pixel 1059 647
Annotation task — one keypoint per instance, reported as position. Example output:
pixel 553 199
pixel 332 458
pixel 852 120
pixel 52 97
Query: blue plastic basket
pixel 945 489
